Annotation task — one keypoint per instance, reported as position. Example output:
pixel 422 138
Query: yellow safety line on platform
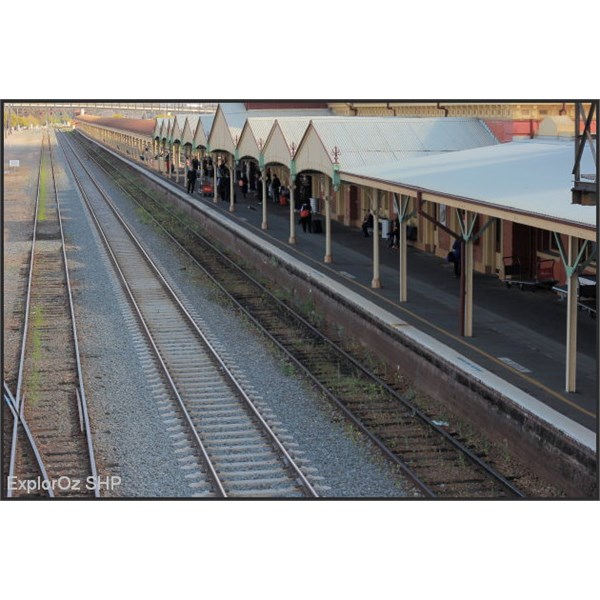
pixel 436 327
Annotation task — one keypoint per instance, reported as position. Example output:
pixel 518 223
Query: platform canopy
pixel 361 141
pixel 527 181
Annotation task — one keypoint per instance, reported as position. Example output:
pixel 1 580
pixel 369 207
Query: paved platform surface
pixel 518 335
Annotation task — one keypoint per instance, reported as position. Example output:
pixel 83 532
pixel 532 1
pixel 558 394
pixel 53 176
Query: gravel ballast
pixel 134 436
pixel 347 462
pixel 131 439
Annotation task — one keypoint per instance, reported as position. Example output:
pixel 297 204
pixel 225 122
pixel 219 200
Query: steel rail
pixel 248 401
pixel 206 459
pixel 18 416
pixel 223 366
pixel 82 396
pixel 413 408
pixel 13 450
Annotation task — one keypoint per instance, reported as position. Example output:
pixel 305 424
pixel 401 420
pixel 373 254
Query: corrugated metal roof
pixel 261 127
pixel 367 140
pixel 292 127
pixel 534 176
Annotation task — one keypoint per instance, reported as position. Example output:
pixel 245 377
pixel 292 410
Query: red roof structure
pixel 140 126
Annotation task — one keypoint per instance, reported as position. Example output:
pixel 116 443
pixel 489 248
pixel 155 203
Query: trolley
pixel 515 275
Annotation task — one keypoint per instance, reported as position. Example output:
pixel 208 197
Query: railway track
pixel 436 461
pixel 239 452
pixel 51 452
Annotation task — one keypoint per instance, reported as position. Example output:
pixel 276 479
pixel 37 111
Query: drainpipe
pixel 444 108
pixel 352 108
pixel 390 108
pixel 563 111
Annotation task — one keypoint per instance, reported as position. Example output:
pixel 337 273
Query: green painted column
pixel 292 238
pixel 328 258
pixel 232 185
pixel 403 250
pixel 572 283
pixel 468 275
pixel 263 177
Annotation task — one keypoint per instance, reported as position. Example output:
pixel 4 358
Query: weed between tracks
pixel 41 216
pixel 498 455
pixel 34 381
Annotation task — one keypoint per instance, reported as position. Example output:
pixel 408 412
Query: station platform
pixel 518 336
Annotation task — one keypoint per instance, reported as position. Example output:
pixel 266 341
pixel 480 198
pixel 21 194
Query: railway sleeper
pixel 262 482
pixel 259 493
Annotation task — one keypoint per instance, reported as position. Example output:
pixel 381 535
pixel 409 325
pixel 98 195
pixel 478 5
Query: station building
pixel 503 191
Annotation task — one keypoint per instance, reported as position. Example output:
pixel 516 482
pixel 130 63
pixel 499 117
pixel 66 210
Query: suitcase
pixel 208 189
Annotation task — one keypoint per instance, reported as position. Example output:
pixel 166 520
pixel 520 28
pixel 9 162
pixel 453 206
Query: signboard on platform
pixel 14 163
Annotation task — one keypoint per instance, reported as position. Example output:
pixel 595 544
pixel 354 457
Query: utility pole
pixel 585 188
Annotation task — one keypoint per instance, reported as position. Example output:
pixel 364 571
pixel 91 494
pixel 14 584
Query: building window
pixel 589 250
pixel 442 214
pixel 546 242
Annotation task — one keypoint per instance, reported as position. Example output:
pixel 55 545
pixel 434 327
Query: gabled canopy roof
pixel 371 140
pixel 286 133
pixel 276 147
pixel 157 128
pixel 175 133
pixel 165 128
pixel 200 134
pixel 189 127
pixel 220 137
pixel 248 143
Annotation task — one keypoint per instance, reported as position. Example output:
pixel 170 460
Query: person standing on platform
pixel 243 183
pixel 275 185
pixel 394 236
pixel 367 224
pixel 191 179
pixel 259 188
pixel 306 217
pixel 454 256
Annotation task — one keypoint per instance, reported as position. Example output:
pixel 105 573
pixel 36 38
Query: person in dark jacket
pixel 367 224
pixel 191 180
pixel 394 235
pixel 275 186
pixel 243 183
pixel 454 256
